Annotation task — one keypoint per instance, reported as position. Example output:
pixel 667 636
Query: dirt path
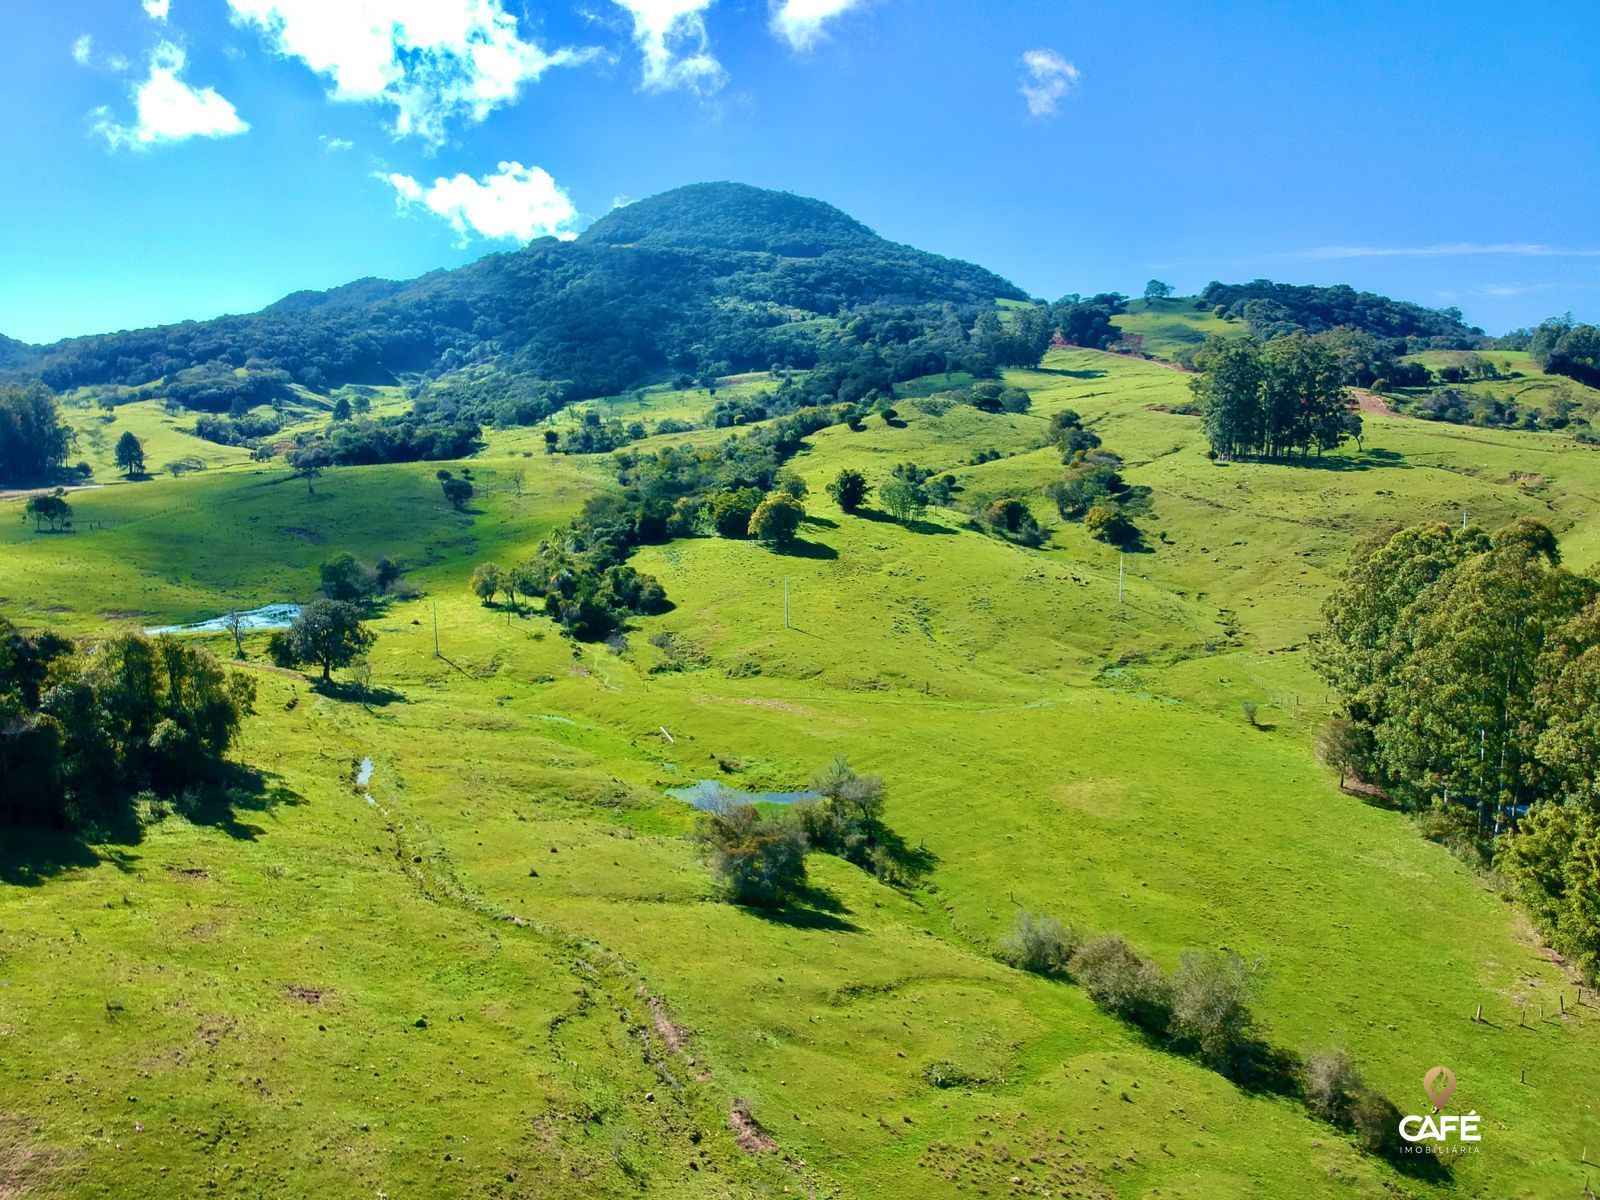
pixel 1371 402
pixel 28 493
pixel 1154 362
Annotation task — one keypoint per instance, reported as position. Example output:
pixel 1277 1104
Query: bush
pixel 1332 1086
pixel 1122 981
pixel 1376 1121
pixel 1211 997
pixel 849 489
pixel 776 520
pixel 757 860
pixel 731 511
pixel 1104 522
pixel 1039 944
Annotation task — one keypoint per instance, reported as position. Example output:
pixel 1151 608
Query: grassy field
pixel 1522 383
pixel 1172 326
pixel 496 968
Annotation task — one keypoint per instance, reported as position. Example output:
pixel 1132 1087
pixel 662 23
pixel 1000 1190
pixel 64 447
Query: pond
pixel 269 616
pixel 703 794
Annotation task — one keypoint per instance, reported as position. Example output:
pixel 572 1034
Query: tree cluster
pixel 1468 666
pixel 1272 399
pixel 33 439
pixel 83 728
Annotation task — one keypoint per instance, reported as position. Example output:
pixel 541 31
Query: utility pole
pixel 786 602
pixel 1121 559
pixel 436 629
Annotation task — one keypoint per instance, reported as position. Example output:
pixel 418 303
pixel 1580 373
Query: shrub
pixel 776 520
pixel 1211 996
pixel 1332 1086
pixel 1376 1121
pixel 486 582
pixel 849 489
pixel 1122 981
pixel 1104 522
pixel 1039 943
pixel 757 860
pixel 731 511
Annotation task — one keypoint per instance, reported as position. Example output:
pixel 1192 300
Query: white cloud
pixel 1050 77
pixel 434 61
pixel 157 10
pixel 1445 250
pixel 336 143
pixel 671 34
pixel 83 54
pixel 800 22
pixel 169 110
pixel 515 202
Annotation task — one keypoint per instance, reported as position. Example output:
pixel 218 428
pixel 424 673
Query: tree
pixel 849 489
pixel 234 623
pixel 1342 745
pixel 458 492
pixel 905 499
pixel 328 633
pixel 776 520
pixel 1105 522
pixel 486 582
pixel 51 508
pixel 758 860
pixel 129 454
pixel 308 463
pixel 1156 290
pixel 82 729
pixel 33 441
pixel 346 578
pixel 791 483
pixel 341 409
pixel 731 511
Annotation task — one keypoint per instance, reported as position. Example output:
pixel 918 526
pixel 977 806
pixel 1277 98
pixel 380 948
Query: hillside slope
pixel 712 276
pixel 507 974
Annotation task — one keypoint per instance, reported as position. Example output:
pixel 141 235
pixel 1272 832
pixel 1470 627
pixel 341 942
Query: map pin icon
pixel 1441 1096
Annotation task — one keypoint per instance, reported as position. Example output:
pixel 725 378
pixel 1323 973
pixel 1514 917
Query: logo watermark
pixel 1440 1132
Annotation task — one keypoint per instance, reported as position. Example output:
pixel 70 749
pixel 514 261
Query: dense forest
pixel 1468 665
pixel 712 278
pixel 1272 309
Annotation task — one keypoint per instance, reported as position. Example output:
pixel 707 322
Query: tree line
pixel 1468 669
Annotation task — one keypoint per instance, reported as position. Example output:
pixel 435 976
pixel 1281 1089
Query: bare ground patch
pixel 747 1131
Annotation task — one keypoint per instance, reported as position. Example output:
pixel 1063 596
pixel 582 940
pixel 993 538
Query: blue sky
pixel 167 159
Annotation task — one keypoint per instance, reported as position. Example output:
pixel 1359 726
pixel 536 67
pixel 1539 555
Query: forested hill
pixel 1276 308
pixel 713 277
pixel 15 354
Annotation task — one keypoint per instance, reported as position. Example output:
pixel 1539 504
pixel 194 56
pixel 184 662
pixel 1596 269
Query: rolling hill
pixel 448 934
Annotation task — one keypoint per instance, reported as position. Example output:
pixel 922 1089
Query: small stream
pixel 363 778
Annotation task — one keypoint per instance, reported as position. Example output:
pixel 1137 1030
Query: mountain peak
pixel 731 216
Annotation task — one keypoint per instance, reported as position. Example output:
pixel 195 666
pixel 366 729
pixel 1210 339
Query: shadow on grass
pixel 801 548
pixel 811 908
pixel 370 696
pixel 1364 460
pixel 917 525
pixel 1091 373
pixel 820 522
pixel 29 857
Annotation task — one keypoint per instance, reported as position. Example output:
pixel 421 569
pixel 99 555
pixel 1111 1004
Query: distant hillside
pixel 1273 308
pixel 711 277
pixel 15 355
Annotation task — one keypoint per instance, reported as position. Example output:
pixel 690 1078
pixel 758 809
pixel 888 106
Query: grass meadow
pixel 498 969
